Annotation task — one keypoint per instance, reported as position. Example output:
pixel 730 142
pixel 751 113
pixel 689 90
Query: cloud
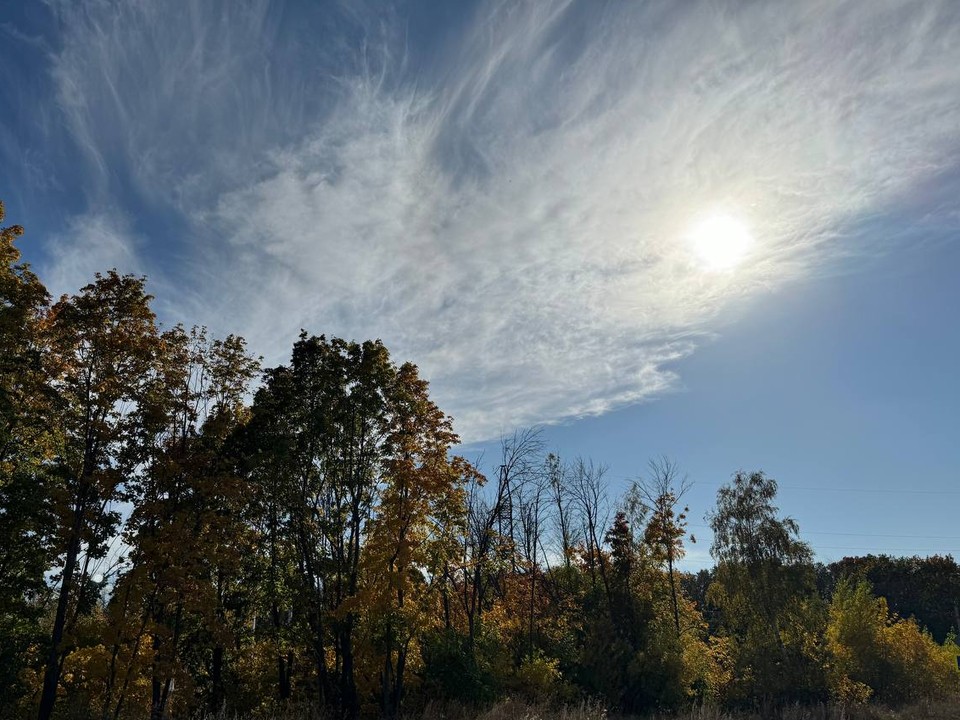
pixel 92 243
pixel 507 208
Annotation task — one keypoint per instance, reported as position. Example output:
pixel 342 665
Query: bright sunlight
pixel 721 242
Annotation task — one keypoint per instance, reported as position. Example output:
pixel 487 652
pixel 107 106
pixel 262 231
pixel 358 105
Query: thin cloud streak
pixel 92 243
pixel 511 215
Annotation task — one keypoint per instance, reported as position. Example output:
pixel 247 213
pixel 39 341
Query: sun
pixel 721 242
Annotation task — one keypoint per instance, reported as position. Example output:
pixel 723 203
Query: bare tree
pixel 493 525
pixel 561 499
pixel 530 506
pixel 589 491
pixel 660 494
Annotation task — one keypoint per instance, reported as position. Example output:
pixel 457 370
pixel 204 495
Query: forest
pixel 184 534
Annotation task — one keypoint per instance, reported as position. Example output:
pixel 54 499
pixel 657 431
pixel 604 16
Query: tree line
pixel 182 533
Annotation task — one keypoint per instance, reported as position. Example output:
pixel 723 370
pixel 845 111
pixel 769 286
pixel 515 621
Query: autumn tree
pixel 926 588
pixel 874 653
pixel 25 519
pixel 632 654
pixel 617 618
pixel 187 532
pixel 418 520
pixel 661 493
pixel 327 416
pixel 102 349
pixel 592 510
pixel 488 550
pixel 267 444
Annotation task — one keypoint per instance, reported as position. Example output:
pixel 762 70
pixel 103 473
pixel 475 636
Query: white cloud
pixel 512 216
pixel 92 243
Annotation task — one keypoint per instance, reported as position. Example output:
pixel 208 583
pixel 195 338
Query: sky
pixel 515 196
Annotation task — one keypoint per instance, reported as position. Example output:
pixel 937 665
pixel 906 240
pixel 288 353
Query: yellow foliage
pixel 873 653
pixel 537 678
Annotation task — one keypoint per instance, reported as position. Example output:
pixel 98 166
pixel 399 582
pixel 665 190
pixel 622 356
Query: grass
pixel 512 710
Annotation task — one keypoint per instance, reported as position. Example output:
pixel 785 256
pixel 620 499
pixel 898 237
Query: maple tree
pixel 185 489
pixel 418 520
pixel 101 348
pixel 349 448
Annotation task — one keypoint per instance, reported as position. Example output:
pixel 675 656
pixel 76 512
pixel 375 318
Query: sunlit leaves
pixel 875 653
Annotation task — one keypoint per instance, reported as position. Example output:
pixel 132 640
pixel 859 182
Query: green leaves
pixel 746 527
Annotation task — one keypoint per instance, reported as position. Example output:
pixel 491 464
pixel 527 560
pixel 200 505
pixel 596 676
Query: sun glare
pixel 721 242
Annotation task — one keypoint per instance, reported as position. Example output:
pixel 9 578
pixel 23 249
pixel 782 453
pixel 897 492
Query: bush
pixel 538 678
pixel 452 670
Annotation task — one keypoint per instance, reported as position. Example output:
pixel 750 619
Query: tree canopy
pixel 182 533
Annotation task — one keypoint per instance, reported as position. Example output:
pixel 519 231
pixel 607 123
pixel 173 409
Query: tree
pixel 326 417
pixel 488 547
pixel 764 583
pixel 925 588
pixel 530 510
pixel 632 654
pixel 265 448
pixel 746 527
pixel 418 519
pixel 187 533
pixel 102 352
pixel 25 519
pixel 617 619
pixel 588 488
pixel 661 493
pixel 562 501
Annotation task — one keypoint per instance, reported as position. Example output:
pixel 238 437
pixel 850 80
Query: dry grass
pixel 511 710
pixel 940 710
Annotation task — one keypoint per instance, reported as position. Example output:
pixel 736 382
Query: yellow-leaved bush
pixel 874 654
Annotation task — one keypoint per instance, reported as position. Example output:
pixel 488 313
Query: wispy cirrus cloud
pixel 92 243
pixel 506 205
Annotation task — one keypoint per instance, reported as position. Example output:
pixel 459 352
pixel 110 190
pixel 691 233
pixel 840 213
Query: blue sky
pixel 505 193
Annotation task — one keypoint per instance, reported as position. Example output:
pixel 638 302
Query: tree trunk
pixel 673 592
pixel 533 597
pixel 51 677
pixel 283 672
pixel 398 682
pixel 348 688
pixel 216 696
pixel 155 692
pixel 386 682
